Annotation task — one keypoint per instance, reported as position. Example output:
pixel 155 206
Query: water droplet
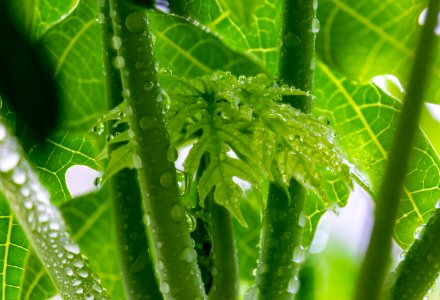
pixel 159 244
pixel 76 282
pixel 147 219
pixel 129 110
pixel 126 93
pixel 172 154
pixel 137 161
pixel 98 181
pixel 79 291
pixel 315 4
pixel 159 265
pixel 418 233
pixel 97 288
pixel 100 18
pixel 19 176
pixel 100 3
pixel 79 264
pixel 177 213
pixel 116 42
pixel 315 26
pixel 69 272
pixel 167 179
pixel 302 219
pixel 148 122
pixel 312 64
pixel 98 128
pixel 191 222
pixel 437 205
pixel 113 13
pixel 293 286
pixel 299 255
pixel 189 254
pixel 136 21
pixel 119 62
pixel 9 161
pixel 73 248
pixel 148 86
pixel 43 217
pixel 402 255
pixel 2 132
pixel 83 273
pixel 164 287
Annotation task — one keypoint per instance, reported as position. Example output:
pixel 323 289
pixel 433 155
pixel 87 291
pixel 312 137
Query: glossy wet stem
pixel 136 263
pixel 377 259
pixel 176 259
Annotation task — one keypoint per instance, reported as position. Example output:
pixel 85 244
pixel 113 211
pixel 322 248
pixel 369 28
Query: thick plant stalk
pixel 281 251
pixel 176 258
pixel 137 268
pixel 377 258
pixel 223 252
pixel 417 273
pixel 43 224
pixel 276 277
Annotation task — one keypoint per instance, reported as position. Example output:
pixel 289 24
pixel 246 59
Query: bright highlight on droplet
pixel 422 19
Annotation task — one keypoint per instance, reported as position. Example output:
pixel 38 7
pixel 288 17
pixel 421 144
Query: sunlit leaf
pixel 364 39
pixel 365 119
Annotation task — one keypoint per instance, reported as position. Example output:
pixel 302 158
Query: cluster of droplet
pixel 43 224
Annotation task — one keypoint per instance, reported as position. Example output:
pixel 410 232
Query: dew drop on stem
pixel 116 42
pixel 164 287
pixel 148 86
pixel 315 26
pixel 136 21
pixel 119 62
pixel 137 161
pixel 177 213
pixel 8 161
pixel 418 233
pixel 172 154
pixel 167 179
pixel 189 255
pixel 148 122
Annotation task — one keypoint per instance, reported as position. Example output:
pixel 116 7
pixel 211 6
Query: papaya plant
pixel 274 110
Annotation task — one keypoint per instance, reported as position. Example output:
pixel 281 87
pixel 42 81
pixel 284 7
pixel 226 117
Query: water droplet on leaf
pixel 119 62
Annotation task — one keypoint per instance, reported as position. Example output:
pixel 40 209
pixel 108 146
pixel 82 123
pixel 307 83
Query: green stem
pixel 276 263
pixel 134 255
pixel 281 251
pixel 176 258
pixel 419 270
pixel 377 258
pixel 43 224
pixel 223 251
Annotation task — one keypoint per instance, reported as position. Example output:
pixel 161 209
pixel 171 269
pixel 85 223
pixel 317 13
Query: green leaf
pixel 184 41
pixel 37 16
pixel 59 153
pixel 89 219
pixel 43 224
pixel 37 284
pixel 78 66
pixel 258 40
pixel 241 115
pixel 365 119
pixel 364 39
pixel 244 10
pixel 121 158
pixel 13 252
